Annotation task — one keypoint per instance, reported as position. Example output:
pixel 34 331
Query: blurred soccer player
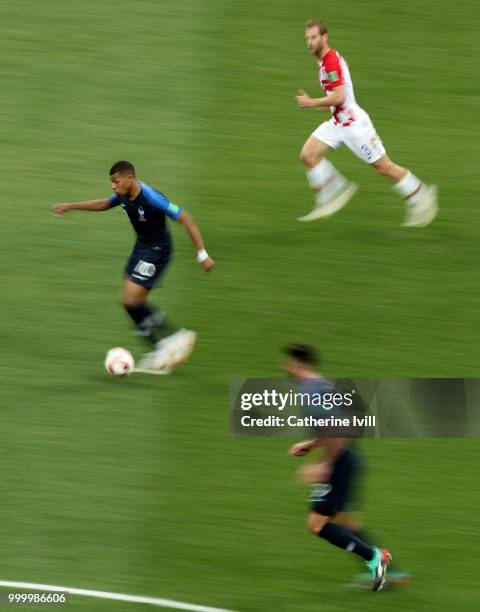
pixel 334 477
pixel 147 210
pixel 350 125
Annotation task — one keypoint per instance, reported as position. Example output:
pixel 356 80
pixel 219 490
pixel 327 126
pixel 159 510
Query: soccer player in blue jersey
pixel 147 210
pixel 333 476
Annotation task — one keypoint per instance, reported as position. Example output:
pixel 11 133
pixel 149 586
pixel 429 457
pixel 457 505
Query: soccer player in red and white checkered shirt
pixel 350 125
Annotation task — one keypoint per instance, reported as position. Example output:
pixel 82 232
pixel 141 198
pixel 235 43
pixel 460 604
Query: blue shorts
pixel 147 263
pixel 340 494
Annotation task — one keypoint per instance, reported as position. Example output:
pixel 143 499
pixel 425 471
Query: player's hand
pixel 304 100
pixel 60 209
pixel 315 472
pixel 207 265
pixel 299 449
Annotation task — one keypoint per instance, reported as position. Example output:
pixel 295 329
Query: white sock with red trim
pixel 326 180
pixel 411 188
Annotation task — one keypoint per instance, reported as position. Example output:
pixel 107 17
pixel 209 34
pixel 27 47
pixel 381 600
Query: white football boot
pixel 333 205
pixel 169 352
pixel 423 212
pixel 178 346
pixel 157 362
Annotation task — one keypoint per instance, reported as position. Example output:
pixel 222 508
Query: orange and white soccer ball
pixel 119 361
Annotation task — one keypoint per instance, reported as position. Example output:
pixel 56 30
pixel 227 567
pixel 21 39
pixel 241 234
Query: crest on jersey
pixel 141 214
pixel 333 76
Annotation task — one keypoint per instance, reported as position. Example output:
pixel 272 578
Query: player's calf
pixel 386 167
pixel 343 538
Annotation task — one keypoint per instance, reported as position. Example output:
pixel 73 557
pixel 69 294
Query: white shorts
pixel 360 137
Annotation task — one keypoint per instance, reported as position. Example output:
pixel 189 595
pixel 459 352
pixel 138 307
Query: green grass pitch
pixel 135 485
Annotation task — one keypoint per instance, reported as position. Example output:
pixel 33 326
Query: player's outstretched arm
pixel 203 257
pixel 93 205
pixel 302 448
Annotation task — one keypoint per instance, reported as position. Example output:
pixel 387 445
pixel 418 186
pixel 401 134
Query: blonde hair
pixel 322 28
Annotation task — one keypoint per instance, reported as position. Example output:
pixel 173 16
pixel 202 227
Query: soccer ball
pixel 119 361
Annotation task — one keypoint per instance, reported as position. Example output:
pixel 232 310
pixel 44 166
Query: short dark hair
pixel 322 27
pixel 303 353
pixel 123 167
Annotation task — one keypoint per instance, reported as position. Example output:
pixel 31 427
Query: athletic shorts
pixel 147 263
pixel 359 136
pixel 340 494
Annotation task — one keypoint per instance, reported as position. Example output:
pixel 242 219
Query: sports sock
pixel 341 537
pixel 326 180
pixel 411 188
pixel 362 534
pixel 163 325
pixel 151 324
pixel 143 317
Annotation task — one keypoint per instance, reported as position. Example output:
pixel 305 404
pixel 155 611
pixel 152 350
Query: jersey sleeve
pixel 333 68
pixel 114 200
pixel 160 201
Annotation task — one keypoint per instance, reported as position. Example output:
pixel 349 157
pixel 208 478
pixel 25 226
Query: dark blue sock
pixel 163 325
pixel 143 317
pixel 153 325
pixel 139 312
pixel 341 537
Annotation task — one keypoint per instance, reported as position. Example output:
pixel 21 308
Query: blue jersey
pixel 316 388
pixel 147 213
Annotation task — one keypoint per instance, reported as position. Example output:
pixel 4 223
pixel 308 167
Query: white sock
pixel 325 178
pixel 411 188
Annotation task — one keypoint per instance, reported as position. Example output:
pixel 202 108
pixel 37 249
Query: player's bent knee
pixel 133 295
pixel 316 522
pixel 304 157
pixel 129 303
pixel 309 157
